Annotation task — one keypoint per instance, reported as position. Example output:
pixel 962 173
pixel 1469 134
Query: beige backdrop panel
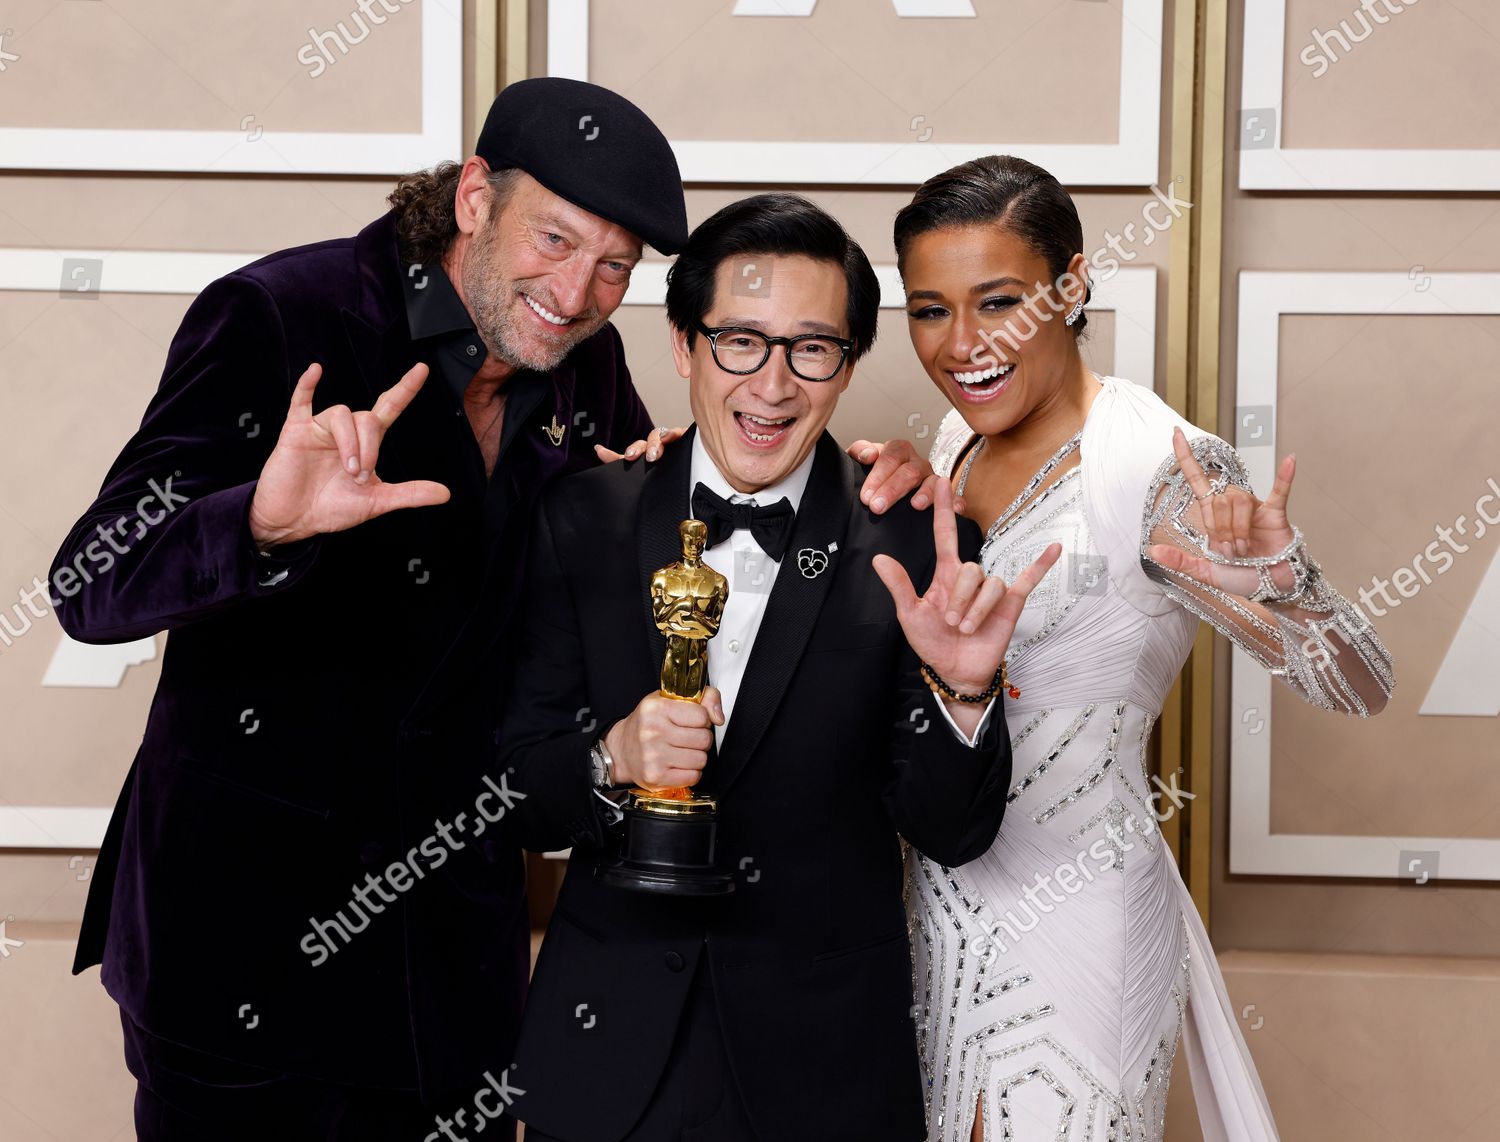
pixel 854 71
pixel 72 433
pixel 180 65
pixel 78 375
pixel 1333 1038
pixel 1423 79
pixel 1338 410
pixel 1367 472
pixel 169 212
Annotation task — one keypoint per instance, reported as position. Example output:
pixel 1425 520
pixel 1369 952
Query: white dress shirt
pixel 750 571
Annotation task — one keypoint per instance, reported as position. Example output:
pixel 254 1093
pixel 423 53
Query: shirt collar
pixel 433 306
pixel 704 471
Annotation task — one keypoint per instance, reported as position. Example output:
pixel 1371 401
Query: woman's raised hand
pixel 1237 524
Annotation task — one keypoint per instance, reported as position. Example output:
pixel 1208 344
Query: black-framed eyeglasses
pixel 812 356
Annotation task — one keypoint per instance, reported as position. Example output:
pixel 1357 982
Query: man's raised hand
pixel 963 624
pixel 321 475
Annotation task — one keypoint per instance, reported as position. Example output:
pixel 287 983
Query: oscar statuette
pixel 669 833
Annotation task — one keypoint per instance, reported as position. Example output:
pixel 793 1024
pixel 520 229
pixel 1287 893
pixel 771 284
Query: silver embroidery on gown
pixel 1057 974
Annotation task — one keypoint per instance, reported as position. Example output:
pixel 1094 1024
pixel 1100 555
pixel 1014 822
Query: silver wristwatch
pixel 603 766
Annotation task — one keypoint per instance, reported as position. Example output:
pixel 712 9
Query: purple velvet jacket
pixel 320 716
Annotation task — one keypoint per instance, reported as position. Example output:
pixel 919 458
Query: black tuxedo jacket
pixel 835 750
pixel 308 731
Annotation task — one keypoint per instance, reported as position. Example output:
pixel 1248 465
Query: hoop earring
pixel 1073 314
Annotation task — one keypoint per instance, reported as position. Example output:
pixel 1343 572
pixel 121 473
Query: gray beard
pixel 490 297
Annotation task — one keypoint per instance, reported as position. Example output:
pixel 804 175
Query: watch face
pixel 596 760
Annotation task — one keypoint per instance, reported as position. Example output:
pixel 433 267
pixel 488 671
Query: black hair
pixel 1006 191
pixel 771 224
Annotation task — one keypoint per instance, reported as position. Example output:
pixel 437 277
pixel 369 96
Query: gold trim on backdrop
pixel 1171 734
pixel 1181 165
pixel 500 55
pixel 487 48
pixel 1208 247
pixel 1213 67
pixel 514 30
pixel 500 31
pixel 1200 62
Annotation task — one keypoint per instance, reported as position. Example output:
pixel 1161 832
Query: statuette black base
pixel 668 849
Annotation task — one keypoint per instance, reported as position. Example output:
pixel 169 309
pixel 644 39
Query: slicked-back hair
pixel 777 224
pixel 1004 191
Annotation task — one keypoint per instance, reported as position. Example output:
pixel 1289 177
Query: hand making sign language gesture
pixel 321 475
pixel 961 627
pixel 1238 526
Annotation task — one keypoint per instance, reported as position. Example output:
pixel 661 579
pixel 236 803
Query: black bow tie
pixel 771 526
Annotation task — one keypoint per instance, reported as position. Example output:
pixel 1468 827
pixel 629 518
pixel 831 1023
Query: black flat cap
pixel 594 148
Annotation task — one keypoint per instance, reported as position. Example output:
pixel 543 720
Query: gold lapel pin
pixel 554 430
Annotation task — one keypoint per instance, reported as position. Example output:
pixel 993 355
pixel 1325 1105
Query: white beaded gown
pixel 1056 974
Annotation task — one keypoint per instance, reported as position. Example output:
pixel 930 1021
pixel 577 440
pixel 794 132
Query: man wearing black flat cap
pixel 305 904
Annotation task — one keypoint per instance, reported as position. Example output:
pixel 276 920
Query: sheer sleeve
pixel 1316 640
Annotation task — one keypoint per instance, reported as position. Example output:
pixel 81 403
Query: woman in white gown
pixel 1055 975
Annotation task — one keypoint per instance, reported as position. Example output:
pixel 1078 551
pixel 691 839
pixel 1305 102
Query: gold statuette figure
pixel 687 601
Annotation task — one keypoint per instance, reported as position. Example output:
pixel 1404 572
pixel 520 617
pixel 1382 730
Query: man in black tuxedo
pixel 782 1010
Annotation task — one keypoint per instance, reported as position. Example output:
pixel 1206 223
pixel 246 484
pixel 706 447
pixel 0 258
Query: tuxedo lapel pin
pixel 554 431
pixel 813 561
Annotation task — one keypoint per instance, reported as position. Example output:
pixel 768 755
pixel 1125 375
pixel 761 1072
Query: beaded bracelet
pixel 938 686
